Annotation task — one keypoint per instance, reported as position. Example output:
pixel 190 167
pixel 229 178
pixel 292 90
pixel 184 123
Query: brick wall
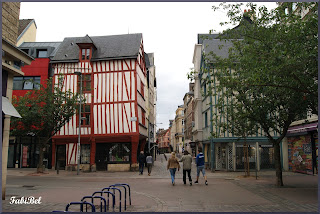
pixel 10 21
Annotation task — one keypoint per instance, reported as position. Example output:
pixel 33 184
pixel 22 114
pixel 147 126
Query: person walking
pixel 149 160
pixel 172 166
pixel 141 160
pixel 186 159
pixel 200 166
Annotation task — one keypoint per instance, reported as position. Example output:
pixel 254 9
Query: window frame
pixel 205 119
pixel 142 89
pixel 85 54
pixel 34 80
pixel 42 50
pixel 85 83
pixel 84 113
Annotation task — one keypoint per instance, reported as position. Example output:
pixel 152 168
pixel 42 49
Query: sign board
pixel 134 119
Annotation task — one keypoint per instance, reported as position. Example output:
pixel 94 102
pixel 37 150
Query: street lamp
pixel 79 134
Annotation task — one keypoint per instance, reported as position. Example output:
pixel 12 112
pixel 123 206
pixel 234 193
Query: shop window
pixel 120 152
pixel 86 83
pixel 26 83
pixel 85 153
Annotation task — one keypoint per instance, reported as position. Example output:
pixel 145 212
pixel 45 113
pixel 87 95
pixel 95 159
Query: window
pixel 85 53
pixel 143 118
pixel 26 83
pixel 85 115
pixel 25 50
pixel 119 152
pixel 42 53
pixel 85 153
pixel 205 89
pixel 205 119
pixel 86 83
pixel 142 89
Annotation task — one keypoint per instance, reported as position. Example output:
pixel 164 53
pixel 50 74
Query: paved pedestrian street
pixel 226 192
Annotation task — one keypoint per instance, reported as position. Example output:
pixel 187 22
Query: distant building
pixel 172 127
pixel 27 31
pixel 163 138
pixel 179 130
pixel 189 119
pixel 151 97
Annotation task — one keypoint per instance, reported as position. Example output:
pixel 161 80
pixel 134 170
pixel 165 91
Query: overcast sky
pixel 169 31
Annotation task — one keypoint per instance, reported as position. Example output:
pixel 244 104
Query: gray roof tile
pixel 108 47
pixel 218 47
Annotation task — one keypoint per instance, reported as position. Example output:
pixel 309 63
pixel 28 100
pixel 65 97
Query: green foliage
pixel 270 77
pixel 44 112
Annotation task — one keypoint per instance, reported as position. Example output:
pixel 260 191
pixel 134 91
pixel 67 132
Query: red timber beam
pixel 142 144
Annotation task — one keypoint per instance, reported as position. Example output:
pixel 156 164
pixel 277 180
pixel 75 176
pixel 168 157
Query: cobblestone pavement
pixel 226 192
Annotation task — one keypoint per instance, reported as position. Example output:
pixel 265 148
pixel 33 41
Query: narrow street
pixel 226 192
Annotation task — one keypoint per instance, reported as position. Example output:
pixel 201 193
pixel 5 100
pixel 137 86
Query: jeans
pixel 141 168
pixel 172 173
pixel 201 169
pixel 149 165
pixel 185 171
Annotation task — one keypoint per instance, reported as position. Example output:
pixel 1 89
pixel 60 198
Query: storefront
pixel 232 156
pixel 303 148
pixel 23 152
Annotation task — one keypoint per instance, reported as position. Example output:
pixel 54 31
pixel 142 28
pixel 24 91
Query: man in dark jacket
pixel 200 166
pixel 141 160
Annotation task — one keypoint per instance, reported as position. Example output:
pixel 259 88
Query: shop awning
pixel 8 109
pixel 303 128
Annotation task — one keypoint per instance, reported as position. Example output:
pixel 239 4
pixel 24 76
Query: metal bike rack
pixel 108 192
pixel 125 193
pixel 93 209
pixel 101 199
pixel 114 188
pixel 128 189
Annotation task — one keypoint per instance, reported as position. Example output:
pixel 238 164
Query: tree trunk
pixel 41 155
pixel 277 162
pixel 246 161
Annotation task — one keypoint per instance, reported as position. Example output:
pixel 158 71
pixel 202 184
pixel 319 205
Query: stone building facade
pixel 10 21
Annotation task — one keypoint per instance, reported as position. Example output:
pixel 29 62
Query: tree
pixel 273 62
pixel 43 113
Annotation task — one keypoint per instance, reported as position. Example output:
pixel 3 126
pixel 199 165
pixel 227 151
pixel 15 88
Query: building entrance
pixel 61 157
pixel 102 156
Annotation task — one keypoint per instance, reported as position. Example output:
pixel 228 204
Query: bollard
pixel 58 166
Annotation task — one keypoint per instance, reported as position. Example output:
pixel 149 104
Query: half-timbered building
pixel 113 116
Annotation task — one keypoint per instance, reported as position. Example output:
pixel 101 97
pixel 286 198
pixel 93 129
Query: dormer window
pixel 85 54
pixel 42 53
pixel 86 48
